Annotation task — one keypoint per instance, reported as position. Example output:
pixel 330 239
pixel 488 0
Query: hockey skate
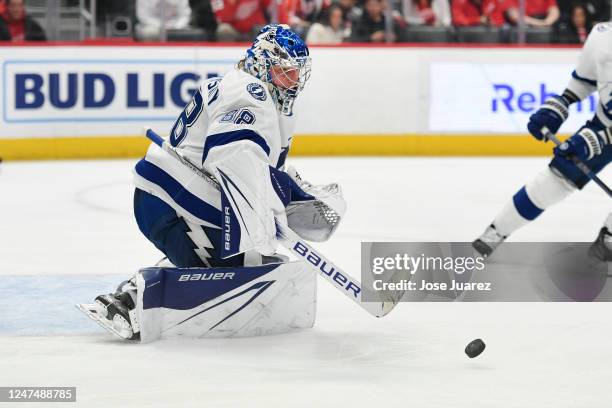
pixel 600 249
pixel 488 242
pixel 115 312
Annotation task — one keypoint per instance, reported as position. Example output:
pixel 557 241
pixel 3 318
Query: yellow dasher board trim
pixel 103 147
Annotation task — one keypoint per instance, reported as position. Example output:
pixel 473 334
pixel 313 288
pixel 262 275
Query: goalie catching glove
pixel 314 212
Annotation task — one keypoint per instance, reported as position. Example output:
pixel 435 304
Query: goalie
pixel 239 127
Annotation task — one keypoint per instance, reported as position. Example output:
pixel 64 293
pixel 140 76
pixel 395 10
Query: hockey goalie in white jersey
pixel 592 144
pixel 238 128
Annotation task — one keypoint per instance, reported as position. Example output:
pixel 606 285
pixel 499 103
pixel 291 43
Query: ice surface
pixel 67 233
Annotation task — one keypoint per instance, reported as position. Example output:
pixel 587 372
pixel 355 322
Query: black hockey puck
pixel 474 348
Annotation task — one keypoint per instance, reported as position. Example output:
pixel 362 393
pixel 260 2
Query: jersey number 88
pixel 192 112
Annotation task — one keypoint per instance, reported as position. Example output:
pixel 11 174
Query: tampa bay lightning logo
pixel 257 91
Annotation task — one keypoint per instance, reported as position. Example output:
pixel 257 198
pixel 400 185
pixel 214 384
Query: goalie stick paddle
pixel 314 259
pixel 579 163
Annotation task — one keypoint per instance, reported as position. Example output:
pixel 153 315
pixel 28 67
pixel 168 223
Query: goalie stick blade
pixel 89 311
pixel 377 309
pixel 342 281
pixel 387 307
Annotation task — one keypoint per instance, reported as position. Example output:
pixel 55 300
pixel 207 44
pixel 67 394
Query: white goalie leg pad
pixel 225 302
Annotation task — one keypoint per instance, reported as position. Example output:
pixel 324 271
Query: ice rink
pixel 68 234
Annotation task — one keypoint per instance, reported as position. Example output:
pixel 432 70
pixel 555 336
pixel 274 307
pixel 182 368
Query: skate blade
pixel 87 310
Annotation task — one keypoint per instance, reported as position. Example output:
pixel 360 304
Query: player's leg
pixel 546 189
pixel 185 244
pixel 169 232
pixel 602 247
pixel 549 187
pixel 209 302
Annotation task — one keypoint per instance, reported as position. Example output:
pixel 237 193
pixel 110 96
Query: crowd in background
pixel 336 21
pixel 16 25
pixel 331 21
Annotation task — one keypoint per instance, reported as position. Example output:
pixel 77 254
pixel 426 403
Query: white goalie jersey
pixel 232 108
pixel 594 71
pixel 232 129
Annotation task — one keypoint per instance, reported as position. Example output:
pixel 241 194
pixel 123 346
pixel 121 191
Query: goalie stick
pixel 579 163
pixel 314 259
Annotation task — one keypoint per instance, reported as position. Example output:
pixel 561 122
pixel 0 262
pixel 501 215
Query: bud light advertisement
pixel 121 89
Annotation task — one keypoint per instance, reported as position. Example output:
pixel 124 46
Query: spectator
pixel 5 34
pixel 538 13
pixel 427 12
pixel 331 28
pixel 239 20
pixel 16 25
pixel 371 27
pixel 311 10
pixel 300 14
pixel 598 10
pixel 580 24
pixel 482 12
pixel 152 15
pixel 204 17
pixel 289 12
pixel 350 14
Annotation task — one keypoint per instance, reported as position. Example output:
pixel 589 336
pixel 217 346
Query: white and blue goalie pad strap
pixel 225 302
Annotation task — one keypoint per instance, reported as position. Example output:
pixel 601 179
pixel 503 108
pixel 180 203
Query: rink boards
pixel 88 101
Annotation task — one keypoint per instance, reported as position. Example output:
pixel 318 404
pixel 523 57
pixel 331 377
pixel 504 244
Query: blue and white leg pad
pixel 225 302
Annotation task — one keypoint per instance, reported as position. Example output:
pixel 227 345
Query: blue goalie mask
pixel 279 58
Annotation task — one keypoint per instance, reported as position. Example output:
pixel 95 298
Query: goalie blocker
pixel 213 302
